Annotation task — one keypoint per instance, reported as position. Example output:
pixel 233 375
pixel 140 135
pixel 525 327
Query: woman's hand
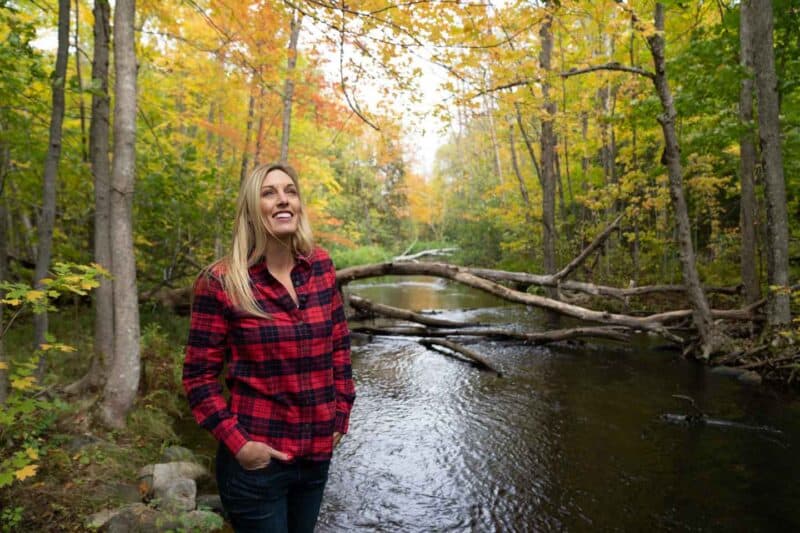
pixel 336 438
pixel 255 455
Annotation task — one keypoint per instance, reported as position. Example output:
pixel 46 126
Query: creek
pixel 569 439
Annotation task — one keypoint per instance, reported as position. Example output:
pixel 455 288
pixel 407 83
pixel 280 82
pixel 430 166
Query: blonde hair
pixel 250 236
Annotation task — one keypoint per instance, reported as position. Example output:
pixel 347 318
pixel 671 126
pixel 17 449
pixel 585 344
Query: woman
pixel 270 311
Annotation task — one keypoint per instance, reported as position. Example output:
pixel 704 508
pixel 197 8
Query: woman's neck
pixel 279 256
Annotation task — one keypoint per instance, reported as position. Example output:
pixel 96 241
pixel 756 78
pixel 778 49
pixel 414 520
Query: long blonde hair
pixel 250 236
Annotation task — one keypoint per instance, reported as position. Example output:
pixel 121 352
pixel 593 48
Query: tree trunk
pixel 123 377
pixel 5 157
pixel 548 144
pixel 260 129
pixel 98 152
pixel 752 291
pixel 288 87
pixel 48 215
pixel 81 107
pixel 779 312
pixel 701 314
pixel 248 130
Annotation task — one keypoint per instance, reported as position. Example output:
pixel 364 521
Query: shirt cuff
pixel 342 422
pixel 235 440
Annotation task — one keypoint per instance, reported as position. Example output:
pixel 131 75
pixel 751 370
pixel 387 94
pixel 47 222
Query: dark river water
pixel 568 440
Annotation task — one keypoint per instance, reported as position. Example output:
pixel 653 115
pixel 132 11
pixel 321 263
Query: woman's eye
pixel 268 192
pixel 293 192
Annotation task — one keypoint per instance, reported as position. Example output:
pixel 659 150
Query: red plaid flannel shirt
pixel 289 376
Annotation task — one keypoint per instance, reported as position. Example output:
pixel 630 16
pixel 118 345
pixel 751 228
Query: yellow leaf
pixel 26 472
pixel 89 284
pixel 45 281
pixel 3 365
pixel 44 347
pixel 23 383
pixel 12 301
pixel 33 296
pixel 32 453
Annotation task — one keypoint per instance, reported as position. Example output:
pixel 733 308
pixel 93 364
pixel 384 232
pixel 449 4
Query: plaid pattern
pixel 289 376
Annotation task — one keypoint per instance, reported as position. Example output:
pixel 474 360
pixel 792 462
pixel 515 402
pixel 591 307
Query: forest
pixel 669 129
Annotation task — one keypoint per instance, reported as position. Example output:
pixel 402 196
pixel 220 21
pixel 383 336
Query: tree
pixel 548 153
pixel 98 154
pixel 747 150
pixel 288 87
pixel 48 216
pixel 779 311
pixel 123 376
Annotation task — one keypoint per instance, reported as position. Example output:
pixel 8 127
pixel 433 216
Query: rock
pixel 179 469
pixel 749 377
pixel 134 518
pixel 727 371
pixel 153 477
pixel 210 501
pixel 177 453
pixel 177 495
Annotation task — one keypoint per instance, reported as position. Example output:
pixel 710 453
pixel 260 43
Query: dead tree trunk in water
pixel 701 312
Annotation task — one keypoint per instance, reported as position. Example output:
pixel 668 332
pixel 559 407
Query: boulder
pixel 177 495
pixel 153 477
pixel 134 518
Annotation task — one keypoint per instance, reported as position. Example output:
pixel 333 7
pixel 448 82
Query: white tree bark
pixel 123 377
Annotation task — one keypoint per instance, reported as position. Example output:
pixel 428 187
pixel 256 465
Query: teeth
pixel 283 215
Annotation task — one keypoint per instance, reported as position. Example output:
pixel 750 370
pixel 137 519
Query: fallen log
pixel 461 275
pixel 425 253
pixel 480 361
pixel 545 337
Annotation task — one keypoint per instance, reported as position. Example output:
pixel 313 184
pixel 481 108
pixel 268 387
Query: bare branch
pixel 609 66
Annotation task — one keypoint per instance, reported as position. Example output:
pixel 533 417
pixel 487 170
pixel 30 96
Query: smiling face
pixel 280 204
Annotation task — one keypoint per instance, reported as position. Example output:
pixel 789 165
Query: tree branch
pixel 609 66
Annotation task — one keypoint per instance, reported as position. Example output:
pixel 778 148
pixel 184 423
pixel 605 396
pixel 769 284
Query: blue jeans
pixel 280 498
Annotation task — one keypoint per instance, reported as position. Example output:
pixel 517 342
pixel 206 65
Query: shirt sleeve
pixel 342 369
pixel 203 363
